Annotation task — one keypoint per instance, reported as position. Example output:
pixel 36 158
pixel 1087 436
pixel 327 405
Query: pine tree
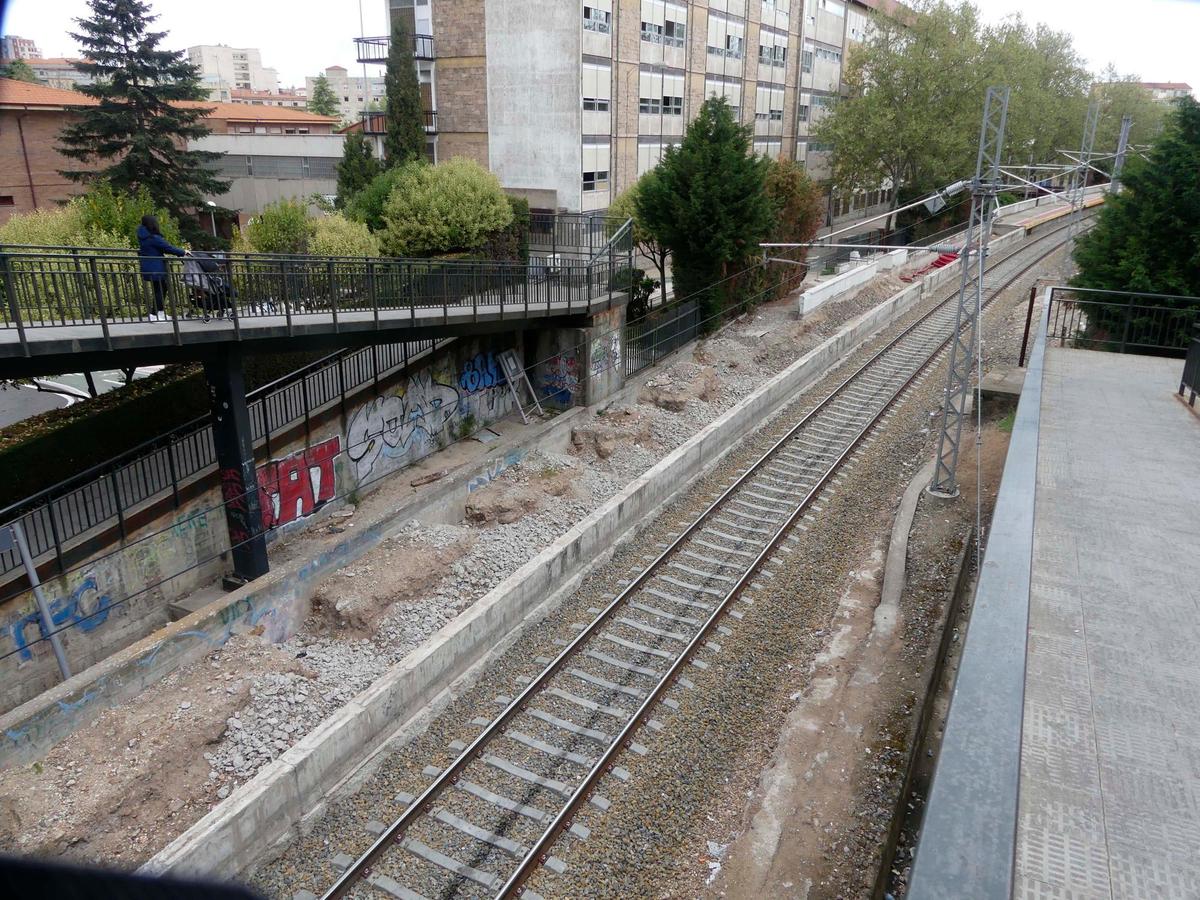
pixel 18 70
pixel 357 168
pixel 143 122
pixel 323 101
pixel 405 139
pixel 708 205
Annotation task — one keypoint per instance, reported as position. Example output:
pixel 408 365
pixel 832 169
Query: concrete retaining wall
pixel 262 812
pixel 850 281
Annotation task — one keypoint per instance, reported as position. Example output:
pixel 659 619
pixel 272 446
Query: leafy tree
pixel 337 236
pixel 799 203
pixel 357 167
pixel 142 123
pixel 455 206
pixel 708 205
pixel 324 101
pixel 18 70
pixel 1147 237
pixel 367 206
pixel 1122 96
pixel 281 227
pixel 915 94
pixel 625 207
pixel 405 139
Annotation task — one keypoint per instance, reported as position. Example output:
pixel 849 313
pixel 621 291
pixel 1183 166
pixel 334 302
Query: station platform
pixel 1069 765
pixel 1110 748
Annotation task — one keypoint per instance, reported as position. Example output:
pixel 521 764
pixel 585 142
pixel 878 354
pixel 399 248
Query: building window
pixel 652 33
pixel 595 104
pixel 650 106
pixel 802 112
pixel 596 19
pixel 806 61
pixel 675 34
pixel 7 200
pixel 595 181
pixel 672 106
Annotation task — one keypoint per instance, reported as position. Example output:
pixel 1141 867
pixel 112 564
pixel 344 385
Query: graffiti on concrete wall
pixel 295 487
pixel 85 607
pixel 560 382
pixel 606 354
pixel 495 469
pixel 237 507
pixel 391 432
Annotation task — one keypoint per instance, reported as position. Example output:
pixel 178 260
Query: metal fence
pixel 1122 323
pixel 107 494
pixel 575 234
pixel 659 334
pixel 1190 382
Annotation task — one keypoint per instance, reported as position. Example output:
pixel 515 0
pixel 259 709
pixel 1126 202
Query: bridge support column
pixel 235 459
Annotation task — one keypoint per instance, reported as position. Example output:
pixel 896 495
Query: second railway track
pixel 489 820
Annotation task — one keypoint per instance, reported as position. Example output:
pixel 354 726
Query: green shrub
pixel 281 227
pixel 338 236
pixel 367 205
pixel 450 207
pixel 109 212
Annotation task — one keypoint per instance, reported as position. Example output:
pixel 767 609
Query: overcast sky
pixel 1155 39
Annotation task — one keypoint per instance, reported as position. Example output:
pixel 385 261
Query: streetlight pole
pixel 212 215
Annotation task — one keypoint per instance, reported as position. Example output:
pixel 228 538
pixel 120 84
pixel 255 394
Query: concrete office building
pixel 1167 91
pixel 58 72
pixel 292 98
pixel 226 69
pixel 568 103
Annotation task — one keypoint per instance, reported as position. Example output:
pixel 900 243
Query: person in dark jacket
pixel 152 250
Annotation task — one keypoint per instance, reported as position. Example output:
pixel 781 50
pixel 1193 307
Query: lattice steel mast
pixel 1122 149
pixel 1079 177
pixel 966 320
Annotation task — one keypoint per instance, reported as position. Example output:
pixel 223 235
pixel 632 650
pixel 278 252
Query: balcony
pixel 375 49
pixel 376 123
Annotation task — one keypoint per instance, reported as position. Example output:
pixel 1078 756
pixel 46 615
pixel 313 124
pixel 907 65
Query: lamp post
pixel 212 215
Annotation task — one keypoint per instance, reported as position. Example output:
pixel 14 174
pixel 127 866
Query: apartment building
pixel 226 69
pixel 1167 91
pixel 289 98
pixel 58 72
pixel 355 94
pixel 13 47
pixel 569 103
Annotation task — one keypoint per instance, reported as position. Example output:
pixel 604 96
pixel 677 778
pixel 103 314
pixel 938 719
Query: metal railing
pixel 659 334
pixel 377 123
pixel 103 288
pixel 1190 382
pixel 580 234
pixel 107 494
pixel 1120 322
pixel 375 49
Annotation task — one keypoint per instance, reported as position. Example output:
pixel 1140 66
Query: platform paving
pixel 1109 803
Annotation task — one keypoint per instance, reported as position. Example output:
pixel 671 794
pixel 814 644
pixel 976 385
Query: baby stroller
pixel 209 287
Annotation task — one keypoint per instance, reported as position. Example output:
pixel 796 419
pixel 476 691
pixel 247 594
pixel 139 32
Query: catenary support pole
pixel 970 302
pixel 1122 149
pixel 235 460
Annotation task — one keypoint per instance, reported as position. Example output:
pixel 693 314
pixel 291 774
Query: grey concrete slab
pixel 1110 752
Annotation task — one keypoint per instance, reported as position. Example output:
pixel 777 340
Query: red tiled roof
pixel 24 94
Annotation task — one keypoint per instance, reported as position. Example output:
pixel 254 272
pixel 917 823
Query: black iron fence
pixel 1153 324
pixel 375 49
pixel 574 234
pixel 1190 382
pixel 106 495
pixel 659 334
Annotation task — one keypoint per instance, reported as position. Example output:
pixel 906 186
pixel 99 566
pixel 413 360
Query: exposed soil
pixel 137 777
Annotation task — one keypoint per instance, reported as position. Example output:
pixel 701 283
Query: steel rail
pixel 423 804
pixel 538 853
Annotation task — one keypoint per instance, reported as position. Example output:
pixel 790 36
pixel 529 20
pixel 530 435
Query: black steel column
pixel 235 460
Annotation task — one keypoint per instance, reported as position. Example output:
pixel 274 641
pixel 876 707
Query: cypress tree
pixel 405 139
pixel 708 205
pixel 357 168
pixel 138 127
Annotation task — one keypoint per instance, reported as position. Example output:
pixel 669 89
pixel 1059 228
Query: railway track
pixel 493 817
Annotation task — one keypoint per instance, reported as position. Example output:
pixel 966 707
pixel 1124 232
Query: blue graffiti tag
pixel 65 611
pixel 480 373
